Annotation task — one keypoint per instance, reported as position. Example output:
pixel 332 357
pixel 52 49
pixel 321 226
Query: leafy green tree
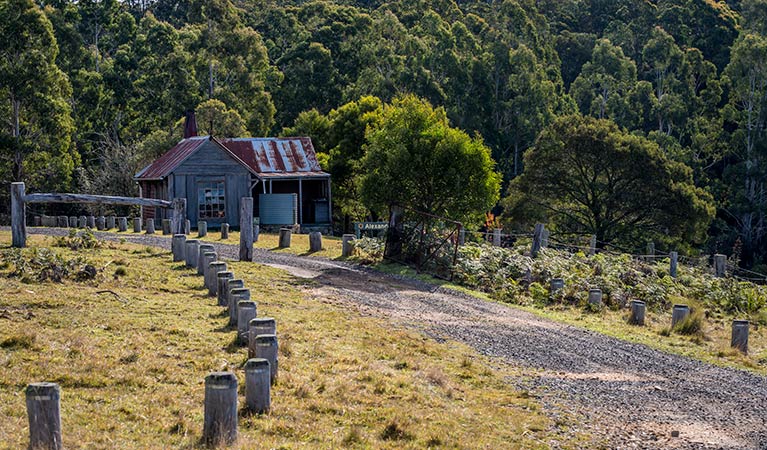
pixel 604 85
pixel 745 200
pixel 589 177
pixel 216 119
pixel 35 141
pixel 415 159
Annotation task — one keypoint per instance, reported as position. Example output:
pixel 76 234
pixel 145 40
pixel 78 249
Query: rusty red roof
pixel 164 165
pixel 266 157
pixel 276 156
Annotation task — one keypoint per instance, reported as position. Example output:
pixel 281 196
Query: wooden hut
pixel 281 174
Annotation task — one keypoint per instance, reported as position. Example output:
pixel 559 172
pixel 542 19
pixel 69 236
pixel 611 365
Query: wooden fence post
pixel 178 217
pixel 285 234
pixel 595 297
pixel 256 327
pixel 637 312
pixel 258 385
pixel 202 249
pixel 72 222
pixel 679 313
pixel 235 295
pixel 556 284
pixel 224 231
pixel 346 245
pixel 212 275
pixel 111 222
pixel 537 239
pixel 497 237
pixel 44 413
pixel 246 229
pixel 207 259
pixel 593 245
pixel 150 226
pixel 246 311
pixel 92 222
pixel 674 257
pixel 720 265
pixel 220 423
pixel 122 224
pixel 178 247
pixel 18 216
pixel 740 335
pixel 137 224
pixel 187 226
pixel 266 347
pixel 221 281
pixel 202 228
pixel 190 252
pixel 650 251
pixel 166 226
pixel 230 302
pixel 82 222
pixel 315 241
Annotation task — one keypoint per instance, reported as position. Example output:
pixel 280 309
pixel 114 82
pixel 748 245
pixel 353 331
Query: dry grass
pixel 132 365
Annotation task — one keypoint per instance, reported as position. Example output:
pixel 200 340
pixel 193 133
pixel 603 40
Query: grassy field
pixel 131 348
pixel 712 345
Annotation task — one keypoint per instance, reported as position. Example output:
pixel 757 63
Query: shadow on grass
pixel 234 346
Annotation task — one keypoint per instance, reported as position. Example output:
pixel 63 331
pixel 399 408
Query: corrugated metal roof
pixel 272 156
pixel 267 157
pixel 164 165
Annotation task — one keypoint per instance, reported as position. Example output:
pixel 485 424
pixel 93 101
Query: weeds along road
pixel 626 395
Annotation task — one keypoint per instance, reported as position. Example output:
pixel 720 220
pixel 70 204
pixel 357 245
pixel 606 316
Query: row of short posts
pixel 97 222
pixel 258 333
pixel 740 328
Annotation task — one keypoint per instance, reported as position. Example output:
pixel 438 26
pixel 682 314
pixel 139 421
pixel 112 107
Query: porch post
pixel 300 203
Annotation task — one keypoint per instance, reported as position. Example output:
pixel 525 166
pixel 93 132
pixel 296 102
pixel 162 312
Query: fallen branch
pixel 117 296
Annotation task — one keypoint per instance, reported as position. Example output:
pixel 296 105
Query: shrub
pixel 79 240
pixel 368 250
pixel 42 264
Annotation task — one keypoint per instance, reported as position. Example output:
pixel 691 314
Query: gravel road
pixel 626 395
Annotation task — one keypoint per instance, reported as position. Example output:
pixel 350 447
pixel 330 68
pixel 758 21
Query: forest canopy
pixel 89 83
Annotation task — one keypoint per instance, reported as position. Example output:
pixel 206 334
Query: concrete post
pixel 258 385
pixel 165 227
pixel 212 275
pixel 679 313
pixel 235 295
pixel 556 284
pixel 246 310
pixel 246 229
pixel 595 297
pixel 224 231
pixel 266 348
pixel 285 237
pixel 178 247
pixel 315 241
pixel 220 423
pixel 82 222
pixel 637 312
pixel 191 251
pixel 137 224
pixel 720 265
pixel 122 224
pixel 347 245
pixel 92 222
pixel 256 327
pixel 221 278
pixel 674 256
pixel 150 226
pixel 101 223
pixel 111 222
pixel 44 414
pixel 740 335
pixel 201 250
pixel 202 228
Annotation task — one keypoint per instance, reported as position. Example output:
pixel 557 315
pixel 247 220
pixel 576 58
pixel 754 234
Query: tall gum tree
pixel 36 137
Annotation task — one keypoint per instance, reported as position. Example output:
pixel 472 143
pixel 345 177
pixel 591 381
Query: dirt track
pixel 626 395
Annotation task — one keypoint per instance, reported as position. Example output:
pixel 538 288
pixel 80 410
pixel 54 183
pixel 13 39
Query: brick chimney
pixel 190 124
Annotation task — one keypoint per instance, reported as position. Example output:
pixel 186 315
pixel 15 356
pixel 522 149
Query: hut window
pixel 211 199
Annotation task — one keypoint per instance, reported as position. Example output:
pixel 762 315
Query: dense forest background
pixel 99 87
